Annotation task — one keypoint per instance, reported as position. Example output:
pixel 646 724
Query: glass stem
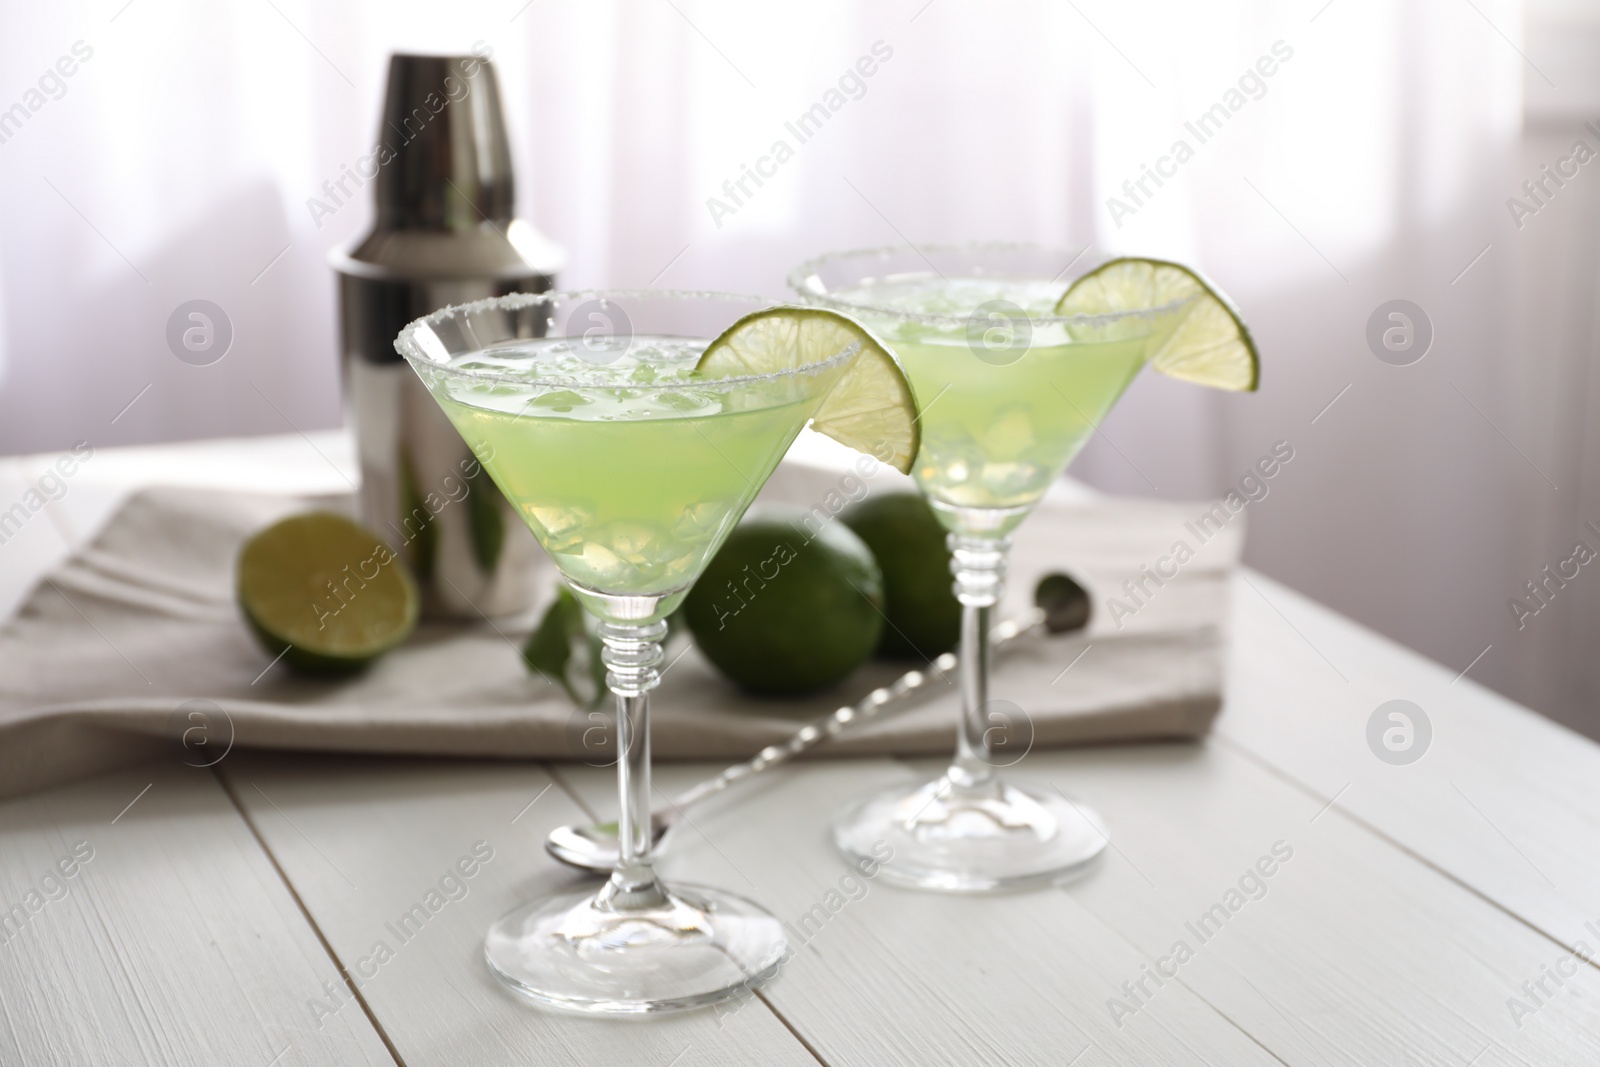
pixel 632 655
pixel 979 566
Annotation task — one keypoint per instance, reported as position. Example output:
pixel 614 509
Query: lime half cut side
pixel 871 408
pixel 1202 339
pixel 326 593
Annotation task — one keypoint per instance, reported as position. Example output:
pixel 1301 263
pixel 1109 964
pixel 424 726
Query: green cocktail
pixel 633 479
pixel 630 465
pixel 1002 413
pixel 1008 393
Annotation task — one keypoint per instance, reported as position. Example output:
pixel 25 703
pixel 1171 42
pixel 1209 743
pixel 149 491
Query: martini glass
pixel 630 470
pixel 1009 394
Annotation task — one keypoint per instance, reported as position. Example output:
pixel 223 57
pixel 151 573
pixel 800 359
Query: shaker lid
pixel 448 161
pixel 444 190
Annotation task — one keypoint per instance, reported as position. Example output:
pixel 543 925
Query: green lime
pixel 924 616
pixel 327 593
pixel 787 608
pixel 1203 340
pixel 871 408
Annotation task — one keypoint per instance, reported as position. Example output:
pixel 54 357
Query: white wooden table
pixel 233 915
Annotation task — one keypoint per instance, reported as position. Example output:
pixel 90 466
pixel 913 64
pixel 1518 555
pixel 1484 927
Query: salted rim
pixel 798 276
pixel 413 353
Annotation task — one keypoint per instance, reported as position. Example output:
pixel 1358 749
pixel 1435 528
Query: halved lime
pixel 871 408
pixel 325 592
pixel 1203 341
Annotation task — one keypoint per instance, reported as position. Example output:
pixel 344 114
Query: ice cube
pixel 559 527
pixel 1010 434
pixel 559 400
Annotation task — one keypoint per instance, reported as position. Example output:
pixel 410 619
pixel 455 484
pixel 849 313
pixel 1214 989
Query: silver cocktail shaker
pixel 444 234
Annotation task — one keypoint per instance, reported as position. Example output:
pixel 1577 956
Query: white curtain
pixel 1338 155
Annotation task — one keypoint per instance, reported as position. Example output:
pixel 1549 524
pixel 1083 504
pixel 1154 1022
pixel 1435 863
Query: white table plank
pixel 363 841
pixel 175 943
pixel 899 977
pixel 1356 954
pixel 1504 800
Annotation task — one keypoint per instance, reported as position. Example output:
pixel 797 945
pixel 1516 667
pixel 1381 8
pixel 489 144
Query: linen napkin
pixel 134 648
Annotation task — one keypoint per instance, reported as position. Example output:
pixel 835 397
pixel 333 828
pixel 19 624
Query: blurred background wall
pixel 1381 159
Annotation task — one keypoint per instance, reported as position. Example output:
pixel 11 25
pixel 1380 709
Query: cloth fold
pixel 134 648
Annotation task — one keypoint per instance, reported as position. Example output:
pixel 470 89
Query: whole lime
pixel 905 536
pixel 787 607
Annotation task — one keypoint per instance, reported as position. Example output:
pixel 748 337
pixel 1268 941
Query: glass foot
pixel 954 840
pixel 698 947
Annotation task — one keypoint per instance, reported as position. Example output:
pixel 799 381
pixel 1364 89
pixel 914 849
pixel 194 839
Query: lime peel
pixel 871 408
pixel 1202 340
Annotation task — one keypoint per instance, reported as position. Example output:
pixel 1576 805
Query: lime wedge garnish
pixel 1204 340
pixel 328 594
pixel 871 408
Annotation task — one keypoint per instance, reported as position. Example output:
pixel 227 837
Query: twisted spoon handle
pixel 833 724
